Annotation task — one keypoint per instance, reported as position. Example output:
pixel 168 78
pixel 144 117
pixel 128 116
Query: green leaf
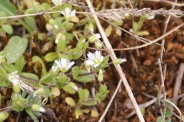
pixel 78 113
pixel 3 115
pixel 3 80
pixel 34 99
pixel 168 114
pixel 47 78
pixel 83 78
pixel 8 28
pixel 159 119
pixel 94 113
pixel 81 95
pixel 69 37
pixel 75 53
pixel 62 81
pixel 36 59
pixel 142 111
pixel 70 101
pixel 31 10
pixel 30 21
pixel 82 45
pixel 103 64
pixel 103 89
pixel 108 30
pixel 46 5
pixel 51 56
pixel 102 93
pixel 55 91
pixel 10 68
pixel 86 91
pixel 168 106
pixel 31 114
pixel 19 64
pixel 61 45
pixel 70 88
pixel 30 77
pixel 18 102
pixel 7 7
pixel 89 103
pixel 67 25
pixel 15 48
pixel 168 120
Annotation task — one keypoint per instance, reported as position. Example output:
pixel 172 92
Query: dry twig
pixel 117 14
pixel 166 1
pixel 178 82
pixel 118 67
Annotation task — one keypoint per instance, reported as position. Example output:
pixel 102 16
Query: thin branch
pixel 152 42
pixel 178 82
pixel 166 1
pixel 114 14
pixel 110 102
pixel 164 31
pixel 174 107
pixel 118 67
pixel 145 105
pixel 117 14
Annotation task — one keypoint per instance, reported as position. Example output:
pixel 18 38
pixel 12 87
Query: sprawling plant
pixel 69 64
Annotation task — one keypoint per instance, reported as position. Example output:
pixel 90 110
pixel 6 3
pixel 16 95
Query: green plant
pixel 167 113
pixel 55 71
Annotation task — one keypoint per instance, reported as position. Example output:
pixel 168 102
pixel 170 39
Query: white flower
pixel 68 13
pixel 94 59
pixel 64 65
pixel 57 2
pixel 14 78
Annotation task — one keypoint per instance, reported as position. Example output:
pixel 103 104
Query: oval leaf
pixel 15 48
pixel 70 101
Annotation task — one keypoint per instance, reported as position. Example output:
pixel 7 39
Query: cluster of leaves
pixel 31 91
pixel 167 113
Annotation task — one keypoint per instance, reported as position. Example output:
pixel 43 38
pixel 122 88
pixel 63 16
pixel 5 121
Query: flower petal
pixel 98 54
pixel 73 13
pixel 70 65
pixel 91 56
pixel 90 62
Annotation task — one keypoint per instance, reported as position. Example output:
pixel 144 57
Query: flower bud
pixel 118 61
pixel 98 44
pixel 36 107
pixel 91 27
pixel 94 38
pixel 100 76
